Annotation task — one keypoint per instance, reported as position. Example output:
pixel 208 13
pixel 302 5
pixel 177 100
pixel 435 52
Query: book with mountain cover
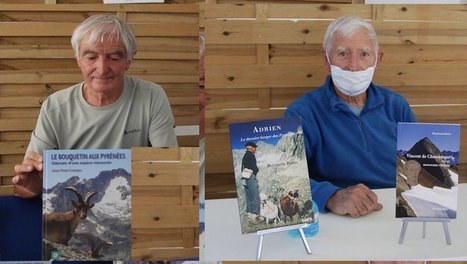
pixel 427 170
pixel 87 204
pixel 271 174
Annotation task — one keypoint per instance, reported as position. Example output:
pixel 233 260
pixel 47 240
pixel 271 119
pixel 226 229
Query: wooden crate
pixel 36 59
pixel 165 203
pixel 261 57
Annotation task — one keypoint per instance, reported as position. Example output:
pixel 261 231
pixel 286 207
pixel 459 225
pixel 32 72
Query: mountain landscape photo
pixel 105 233
pixel 282 175
pixel 435 147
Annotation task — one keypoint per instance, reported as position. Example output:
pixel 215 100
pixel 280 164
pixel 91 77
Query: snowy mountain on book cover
pixel 87 204
pixel 271 174
pixel 427 170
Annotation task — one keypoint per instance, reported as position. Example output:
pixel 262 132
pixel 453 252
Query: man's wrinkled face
pixel 355 53
pixel 103 65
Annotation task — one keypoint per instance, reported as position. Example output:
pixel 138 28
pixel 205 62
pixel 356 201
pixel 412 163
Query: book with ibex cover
pixel 87 204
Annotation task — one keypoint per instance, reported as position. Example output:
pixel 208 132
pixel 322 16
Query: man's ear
pixel 128 65
pixel 325 59
pixel 78 61
pixel 380 58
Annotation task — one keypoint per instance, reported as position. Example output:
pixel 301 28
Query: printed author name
pixel 66 170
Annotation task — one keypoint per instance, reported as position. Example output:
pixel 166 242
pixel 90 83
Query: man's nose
pixel 353 63
pixel 102 65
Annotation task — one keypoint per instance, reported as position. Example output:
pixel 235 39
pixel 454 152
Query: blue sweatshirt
pixel 343 149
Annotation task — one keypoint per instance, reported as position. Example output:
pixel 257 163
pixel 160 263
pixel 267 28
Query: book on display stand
pixel 427 174
pixel 271 176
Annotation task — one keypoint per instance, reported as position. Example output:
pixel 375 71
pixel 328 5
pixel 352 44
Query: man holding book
pixel 350 123
pixel 108 110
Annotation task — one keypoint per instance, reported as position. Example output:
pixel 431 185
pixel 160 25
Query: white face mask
pixel 352 83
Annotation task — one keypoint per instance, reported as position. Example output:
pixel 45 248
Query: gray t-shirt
pixel 140 117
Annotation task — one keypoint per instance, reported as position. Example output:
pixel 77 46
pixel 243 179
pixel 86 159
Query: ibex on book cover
pixel 60 226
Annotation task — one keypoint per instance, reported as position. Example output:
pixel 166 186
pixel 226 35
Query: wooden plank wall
pixel 184 1
pixel 285 1
pixel 36 59
pixel 261 57
pixel 165 199
pixel 83 1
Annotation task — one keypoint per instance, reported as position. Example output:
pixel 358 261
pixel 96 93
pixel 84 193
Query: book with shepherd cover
pixel 271 174
pixel 427 170
pixel 87 204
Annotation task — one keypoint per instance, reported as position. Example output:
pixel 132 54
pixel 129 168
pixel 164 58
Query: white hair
pixel 99 27
pixel 346 26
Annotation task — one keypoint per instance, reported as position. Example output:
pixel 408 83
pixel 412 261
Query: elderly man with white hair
pixel 350 123
pixel 107 110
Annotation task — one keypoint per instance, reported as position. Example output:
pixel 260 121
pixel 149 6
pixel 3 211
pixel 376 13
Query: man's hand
pixel 28 178
pixel 355 201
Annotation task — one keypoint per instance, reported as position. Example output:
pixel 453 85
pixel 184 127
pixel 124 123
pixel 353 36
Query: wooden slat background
pixel 261 57
pixel 183 1
pixel 36 59
pixel 83 1
pixel 165 203
pixel 189 1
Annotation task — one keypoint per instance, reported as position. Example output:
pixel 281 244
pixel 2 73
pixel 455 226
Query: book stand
pixel 300 227
pixel 406 221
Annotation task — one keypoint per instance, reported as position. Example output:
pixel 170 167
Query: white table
pixel 375 236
